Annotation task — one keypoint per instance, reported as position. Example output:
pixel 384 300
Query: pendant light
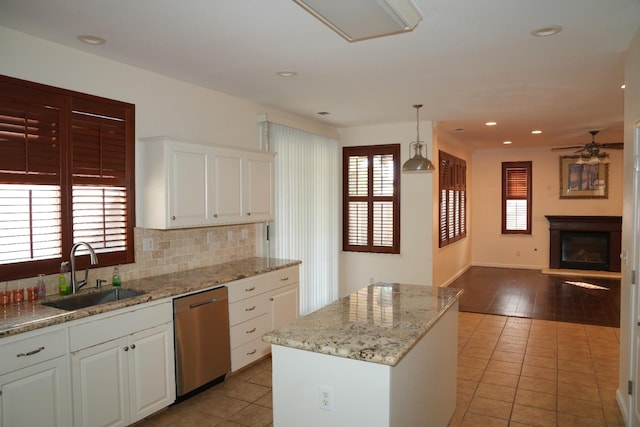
pixel 418 163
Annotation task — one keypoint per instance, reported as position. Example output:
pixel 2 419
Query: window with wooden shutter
pixel 516 197
pixel 66 175
pixel 371 202
pixel 453 202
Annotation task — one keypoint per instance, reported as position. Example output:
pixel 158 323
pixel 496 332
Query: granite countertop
pixel 380 323
pixel 15 319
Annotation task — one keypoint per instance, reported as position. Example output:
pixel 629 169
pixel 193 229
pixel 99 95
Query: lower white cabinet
pixel 37 395
pixel 34 379
pixel 258 305
pixel 126 378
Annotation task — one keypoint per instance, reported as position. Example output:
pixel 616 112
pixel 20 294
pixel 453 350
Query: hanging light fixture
pixel 418 163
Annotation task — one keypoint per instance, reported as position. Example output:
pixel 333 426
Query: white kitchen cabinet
pixel 194 185
pixel 259 187
pixel 173 179
pixel 285 306
pixel 34 380
pixel 122 366
pixel 257 305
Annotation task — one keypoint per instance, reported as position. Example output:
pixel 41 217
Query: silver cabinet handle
pixel 30 353
pixel 173 217
pixel 252 352
pixel 284 279
pixel 249 213
pixel 250 331
pixel 215 215
pixel 250 308
pixel 133 346
pixel 251 289
pixel 126 348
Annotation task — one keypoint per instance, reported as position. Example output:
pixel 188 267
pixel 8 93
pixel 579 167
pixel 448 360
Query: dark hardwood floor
pixel 532 294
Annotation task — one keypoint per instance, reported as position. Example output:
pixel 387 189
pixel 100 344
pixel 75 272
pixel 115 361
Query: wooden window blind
pixel 452 183
pixel 66 175
pixel 516 197
pixel 371 199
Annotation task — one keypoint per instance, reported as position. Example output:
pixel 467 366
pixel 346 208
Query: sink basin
pixel 76 302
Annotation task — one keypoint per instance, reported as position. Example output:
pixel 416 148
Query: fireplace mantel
pixel 561 223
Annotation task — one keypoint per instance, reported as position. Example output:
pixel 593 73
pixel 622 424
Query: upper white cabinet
pixel 185 184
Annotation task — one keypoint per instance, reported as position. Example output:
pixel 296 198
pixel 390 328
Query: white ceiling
pixel 468 61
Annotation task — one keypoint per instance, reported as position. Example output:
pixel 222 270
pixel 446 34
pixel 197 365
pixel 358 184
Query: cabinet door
pixel 100 386
pixel 284 306
pixel 227 187
pixel 259 188
pixel 37 395
pixel 151 371
pixel 187 188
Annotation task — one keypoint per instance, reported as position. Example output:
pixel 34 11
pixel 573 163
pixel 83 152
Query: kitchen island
pixel 383 356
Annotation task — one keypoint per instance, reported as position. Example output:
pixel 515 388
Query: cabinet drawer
pixel 33 349
pixel 282 277
pixel 249 330
pixel 247 288
pixel 249 308
pixel 248 353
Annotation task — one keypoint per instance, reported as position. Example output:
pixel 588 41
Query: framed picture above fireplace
pixel 583 180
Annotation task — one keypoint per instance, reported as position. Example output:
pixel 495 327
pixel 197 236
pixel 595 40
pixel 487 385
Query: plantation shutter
pixel 452 184
pixel 66 175
pixel 99 178
pixel 516 197
pixel 30 164
pixel 371 203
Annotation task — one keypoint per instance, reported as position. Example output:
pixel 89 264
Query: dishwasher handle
pixel 199 304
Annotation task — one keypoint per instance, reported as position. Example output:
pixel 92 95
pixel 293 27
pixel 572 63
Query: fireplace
pixel 585 242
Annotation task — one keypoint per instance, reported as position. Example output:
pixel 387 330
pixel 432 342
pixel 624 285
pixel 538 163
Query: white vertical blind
pixel 307 212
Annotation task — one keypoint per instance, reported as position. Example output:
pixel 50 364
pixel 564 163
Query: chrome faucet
pixel 77 284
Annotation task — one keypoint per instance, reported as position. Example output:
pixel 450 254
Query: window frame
pixel 527 166
pixel 370 151
pixel 452 176
pixel 70 104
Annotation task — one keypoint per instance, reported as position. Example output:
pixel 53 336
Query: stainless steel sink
pixel 76 302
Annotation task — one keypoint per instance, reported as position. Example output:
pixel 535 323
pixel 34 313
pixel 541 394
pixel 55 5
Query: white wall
pixel 413 264
pixel 631 120
pixel 489 246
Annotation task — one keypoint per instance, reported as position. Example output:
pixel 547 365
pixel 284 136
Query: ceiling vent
pixel 364 19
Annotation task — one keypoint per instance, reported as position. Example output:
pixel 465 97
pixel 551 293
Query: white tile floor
pixel 511 372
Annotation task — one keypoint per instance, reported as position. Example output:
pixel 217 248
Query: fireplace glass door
pixel 585 250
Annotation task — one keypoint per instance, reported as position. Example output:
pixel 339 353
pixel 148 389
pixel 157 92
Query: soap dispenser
pixel 115 279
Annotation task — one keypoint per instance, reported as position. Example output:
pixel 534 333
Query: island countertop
pixel 380 323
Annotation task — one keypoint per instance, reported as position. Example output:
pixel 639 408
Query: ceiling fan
pixel 590 153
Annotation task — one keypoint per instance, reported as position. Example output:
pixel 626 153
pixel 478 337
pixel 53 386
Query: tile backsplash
pixel 171 251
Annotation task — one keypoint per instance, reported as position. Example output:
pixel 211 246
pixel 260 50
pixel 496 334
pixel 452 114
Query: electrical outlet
pixel 326 398
pixel 147 244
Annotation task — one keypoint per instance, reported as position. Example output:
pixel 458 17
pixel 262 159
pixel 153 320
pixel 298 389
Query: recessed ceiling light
pixel 93 40
pixel 623 86
pixel 536 132
pixel 507 142
pixel 546 31
pixel 491 123
pixel 286 73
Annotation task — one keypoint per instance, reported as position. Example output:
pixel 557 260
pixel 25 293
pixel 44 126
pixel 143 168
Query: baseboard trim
pixel 582 273
pixel 622 405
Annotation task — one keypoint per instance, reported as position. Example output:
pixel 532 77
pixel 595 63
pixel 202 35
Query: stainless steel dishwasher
pixel 203 354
